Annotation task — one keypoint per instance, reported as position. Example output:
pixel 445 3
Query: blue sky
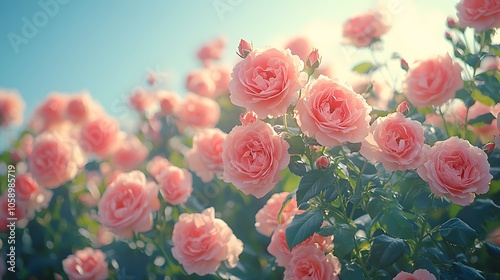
pixel 107 47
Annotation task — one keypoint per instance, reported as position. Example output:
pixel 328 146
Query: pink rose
pixel 205 157
pixel 309 262
pixel 433 81
pixel 157 165
pixel 394 141
pixel 211 51
pixel 202 242
pixel 221 76
pixel 11 108
pixel 81 108
pixel 361 30
pixel 88 264
pixel 253 157
pixel 456 169
pixel 419 274
pixel 248 117
pixel 50 113
pixel 169 101
pixel 300 46
pixel 175 184
pixel 19 211
pixel 201 82
pixel 332 113
pixel 55 159
pixel 26 186
pixel 127 203
pixel 141 99
pixel 267 81
pixel 267 217
pixel 486 131
pixel 24 149
pixel 130 153
pixel 100 136
pixel 198 112
pixel 494 236
pixel 479 14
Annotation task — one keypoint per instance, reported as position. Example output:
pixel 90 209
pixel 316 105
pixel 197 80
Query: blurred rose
pixel 494 236
pixel 221 76
pixel 212 50
pixel 81 108
pixel 11 108
pixel 26 186
pixel 300 46
pixel 129 154
pixel 486 131
pixel 433 81
pixel 24 149
pixel 169 101
pixel 479 14
pixel 332 113
pixel 50 114
pixel 419 274
pixel 175 184
pixel 253 157
pixel 309 262
pixel 198 112
pixel 267 217
pixel 157 165
pixel 456 169
pixel 382 93
pixel 126 205
pixel 267 81
pixel 100 136
pixel 205 157
pixel 361 30
pixel 202 242
pixel 86 264
pixel 201 82
pixel 55 159
pixel 141 99
pixel 455 111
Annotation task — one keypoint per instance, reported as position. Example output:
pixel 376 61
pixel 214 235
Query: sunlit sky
pixel 108 47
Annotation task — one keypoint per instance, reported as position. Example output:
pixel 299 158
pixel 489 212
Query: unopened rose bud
pixel 248 117
pixel 451 22
pixel 322 162
pixel 313 59
pixel 488 147
pixel 404 64
pixel 244 48
pixel 448 37
pixel 403 108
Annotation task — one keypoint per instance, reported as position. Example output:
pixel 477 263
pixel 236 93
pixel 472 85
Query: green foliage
pixel 302 227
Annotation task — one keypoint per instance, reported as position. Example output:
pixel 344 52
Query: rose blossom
pixel 221 76
pixel 202 242
pixel 253 157
pixel 127 203
pixel 267 217
pixel 175 184
pixel 26 186
pixel 129 154
pixel 205 157
pixel 5 213
pixel 11 108
pixel 419 274
pixel 81 108
pixel 479 14
pixel 267 81
pixel 200 82
pixel 300 46
pixel 198 112
pixel 86 264
pixel 169 101
pixel 309 262
pixel 456 169
pixel 50 113
pixel 141 99
pixel 332 113
pixel 100 136
pixel 394 141
pixel 212 50
pixel 433 81
pixel 361 30
pixel 486 131
pixel 157 165
pixel 55 159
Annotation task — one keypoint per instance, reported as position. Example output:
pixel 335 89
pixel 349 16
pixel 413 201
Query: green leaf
pixel 476 214
pixel 456 232
pixel 493 250
pixel 297 166
pixel 351 271
pixel 397 224
pixel 326 231
pixel 364 67
pixel 332 193
pixel 302 227
pixel 386 250
pixel 313 183
pixel 287 200
pixel 480 97
pixel 375 206
pixel 495 49
pixel 343 239
pixel 464 95
pixel 296 145
pixel 482 120
pixel 461 271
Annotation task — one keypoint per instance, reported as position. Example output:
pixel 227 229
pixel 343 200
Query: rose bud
pixel 488 147
pixel 322 162
pixel 448 37
pixel 313 59
pixel 244 48
pixel 403 108
pixel 404 64
pixel 248 117
pixel 451 22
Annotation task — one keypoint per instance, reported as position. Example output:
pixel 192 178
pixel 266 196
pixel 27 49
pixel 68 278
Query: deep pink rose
pixel 253 157
pixel 176 184
pixel 205 157
pixel 55 159
pixel 157 165
pixel 202 242
pixel 267 81
pixel 266 219
pixel 198 112
pixel 11 108
pixel 361 30
pixel 169 101
pixel 129 154
pixel 126 205
pixel 26 186
pixel 300 46
pixel 419 274
pixel 394 141
pixel 100 136
pixel 456 169
pixel 479 14
pixel 309 262
pixel 332 113
pixel 86 264
pixel 433 81
pixel 82 108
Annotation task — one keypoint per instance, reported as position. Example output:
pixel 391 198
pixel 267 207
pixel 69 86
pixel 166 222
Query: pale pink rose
pixel 157 165
pixel 309 262
pixel 456 169
pixel 176 184
pixel 205 157
pixel 479 14
pixel 198 112
pixel 202 242
pixel 104 236
pixel 88 264
pixel 248 117
pixel 82 108
pixel 141 99
pixel 494 236
pixel 419 274
pixel 50 114
pixel 129 154
pixel 169 101
pixel 300 46
pixel 212 50
pixel 434 120
pixel 433 81
pixel 221 76
pixel 126 205
pixel 486 131
pixel 11 108
pixel 267 217
pixel 332 113
pixel 455 111
pixel 100 136
pixel 267 81
pixel 200 82
pixel 361 30
pixel 55 159
pixel 395 141
pixel 253 157
pixel 490 63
